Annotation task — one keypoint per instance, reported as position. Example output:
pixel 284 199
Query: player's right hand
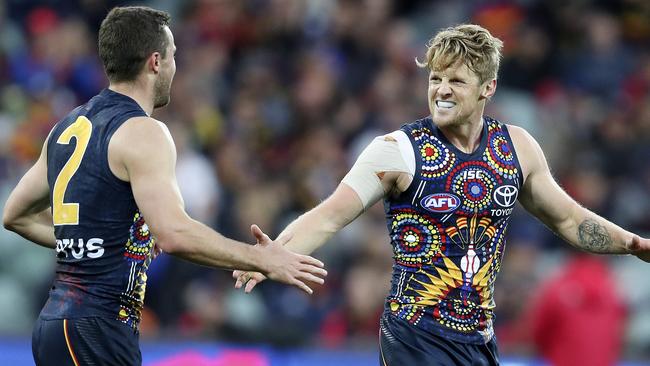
pixel 283 265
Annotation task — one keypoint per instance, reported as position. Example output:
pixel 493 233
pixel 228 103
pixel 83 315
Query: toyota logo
pixel 505 196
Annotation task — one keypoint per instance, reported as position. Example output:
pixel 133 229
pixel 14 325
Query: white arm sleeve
pixel 390 153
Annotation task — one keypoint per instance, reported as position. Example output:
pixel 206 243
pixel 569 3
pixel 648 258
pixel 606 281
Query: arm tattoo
pixel 594 237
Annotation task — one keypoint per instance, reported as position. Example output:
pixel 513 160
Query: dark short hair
pixel 127 36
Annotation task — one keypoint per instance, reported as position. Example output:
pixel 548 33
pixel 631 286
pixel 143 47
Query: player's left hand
pixel 251 279
pixel 640 247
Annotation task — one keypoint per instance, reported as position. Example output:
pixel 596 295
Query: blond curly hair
pixel 470 43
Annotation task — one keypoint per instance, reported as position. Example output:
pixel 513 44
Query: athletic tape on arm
pixel 383 154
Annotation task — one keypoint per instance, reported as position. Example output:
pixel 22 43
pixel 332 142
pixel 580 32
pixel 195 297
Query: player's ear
pixel 488 89
pixel 153 62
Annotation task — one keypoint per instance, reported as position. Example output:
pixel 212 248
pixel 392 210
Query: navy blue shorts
pixel 403 344
pixel 84 341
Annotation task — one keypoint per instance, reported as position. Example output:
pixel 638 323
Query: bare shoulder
pixel 139 139
pixel 528 151
pixel 141 132
pixel 520 136
pixel 141 128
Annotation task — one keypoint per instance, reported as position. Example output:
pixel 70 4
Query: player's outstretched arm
pixel 143 153
pixel 311 230
pixel 27 210
pixel 380 170
pixel 545 199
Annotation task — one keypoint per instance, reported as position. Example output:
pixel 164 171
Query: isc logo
pixel 91 248
pixel 472 174
pixel 440 202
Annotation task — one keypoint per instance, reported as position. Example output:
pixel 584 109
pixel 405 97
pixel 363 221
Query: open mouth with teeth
pixel 444 104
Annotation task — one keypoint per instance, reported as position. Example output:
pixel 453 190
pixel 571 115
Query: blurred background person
pixel 578 317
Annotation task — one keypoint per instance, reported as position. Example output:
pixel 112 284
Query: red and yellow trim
pixel 67 342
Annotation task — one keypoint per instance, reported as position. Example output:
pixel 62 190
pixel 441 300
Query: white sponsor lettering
pixel 472 174
pixel 439 202
pixel 91 248
pixel 501 211
pixel 78 254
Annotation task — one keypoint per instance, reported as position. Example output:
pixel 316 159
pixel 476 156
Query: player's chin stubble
pixel 161 94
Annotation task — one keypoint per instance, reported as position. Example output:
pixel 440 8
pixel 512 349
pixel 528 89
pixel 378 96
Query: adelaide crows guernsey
pixel 448 231
pixel 103 244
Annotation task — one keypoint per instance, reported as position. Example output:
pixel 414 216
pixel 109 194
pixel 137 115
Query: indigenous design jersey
pixel 448 231
pixel 103 244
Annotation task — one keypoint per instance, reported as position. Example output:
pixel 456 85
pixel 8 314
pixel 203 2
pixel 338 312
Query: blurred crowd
pixel 272 102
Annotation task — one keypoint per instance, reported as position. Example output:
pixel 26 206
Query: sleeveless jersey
pixel 448 231
pixel 103 244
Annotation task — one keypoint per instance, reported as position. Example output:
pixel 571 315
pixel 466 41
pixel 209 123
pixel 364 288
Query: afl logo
pixel 505 196
pixel 440 202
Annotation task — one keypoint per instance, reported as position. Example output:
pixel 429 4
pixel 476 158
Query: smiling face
pixel 457 96
pixel 463 63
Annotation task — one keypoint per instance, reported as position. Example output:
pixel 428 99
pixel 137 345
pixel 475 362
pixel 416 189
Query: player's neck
pixel 141 94
pixel 465 136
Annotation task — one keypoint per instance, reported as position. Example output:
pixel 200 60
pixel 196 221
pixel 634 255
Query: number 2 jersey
pixel 448 231
pixel 103 244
